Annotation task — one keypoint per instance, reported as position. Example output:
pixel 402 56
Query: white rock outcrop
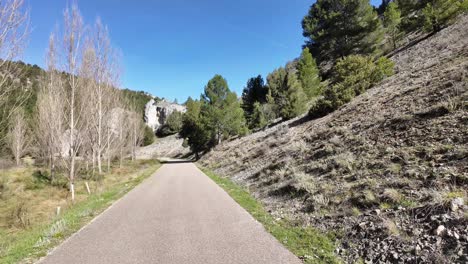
pixel 156 113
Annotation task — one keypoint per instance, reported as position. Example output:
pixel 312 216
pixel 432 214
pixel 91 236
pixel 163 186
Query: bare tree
pixel 102 71
pixel 18 135
pixel 13 36
pixel 122 142
pixel 50 110
pixel 72 45
pixel 136 127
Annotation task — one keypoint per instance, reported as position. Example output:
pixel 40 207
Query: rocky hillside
pixel 387 173
pixel 166 147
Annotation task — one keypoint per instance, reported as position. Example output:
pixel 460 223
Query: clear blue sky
pixel 171 48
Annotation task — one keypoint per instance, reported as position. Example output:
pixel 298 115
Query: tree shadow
pixel 175 161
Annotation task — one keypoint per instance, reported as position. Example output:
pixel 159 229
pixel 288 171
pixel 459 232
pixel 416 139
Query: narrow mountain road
pixel 177 216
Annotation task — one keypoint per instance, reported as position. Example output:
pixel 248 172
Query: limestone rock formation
pixel 156 112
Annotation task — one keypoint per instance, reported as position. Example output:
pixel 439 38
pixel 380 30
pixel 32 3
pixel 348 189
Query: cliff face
pixel 387 172
pixel 156 113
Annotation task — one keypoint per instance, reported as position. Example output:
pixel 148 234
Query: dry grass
pixel 25 201
pixel 28 221
pixel 391 227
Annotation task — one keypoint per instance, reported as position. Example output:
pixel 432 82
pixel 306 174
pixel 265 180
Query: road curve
pixel 176 216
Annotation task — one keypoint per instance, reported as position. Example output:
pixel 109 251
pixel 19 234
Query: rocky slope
pixel 387 173
pixel 167 147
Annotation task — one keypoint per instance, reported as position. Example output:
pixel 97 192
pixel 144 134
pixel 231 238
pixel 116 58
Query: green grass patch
pixel 32 243
pixel 307 243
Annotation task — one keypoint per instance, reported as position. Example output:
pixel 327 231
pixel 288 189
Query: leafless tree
pixel 74 99
pixel 136 134
pixel 80 111
pixel 50 127
pixel 102 72
pixel 18 135
pixel 13 37
pixel 122 129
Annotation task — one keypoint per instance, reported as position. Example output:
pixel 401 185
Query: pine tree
pixel 308 74
pixel 276 90
pixel 221 110
pixel 258 118
pixel 392 21
pixel 296 99
pixel 408 6
pixel 383 6
pixel 286 93
pixel 254 92
pixel 353 75
pixel 439 13
pixel 193 129
pixel 338 28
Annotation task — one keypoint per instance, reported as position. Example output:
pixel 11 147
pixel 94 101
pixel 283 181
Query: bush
pixel 353 75
pixel 148 138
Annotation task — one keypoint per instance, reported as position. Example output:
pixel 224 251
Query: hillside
pixel 387 173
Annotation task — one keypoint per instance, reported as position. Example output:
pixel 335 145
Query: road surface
pixel 176 216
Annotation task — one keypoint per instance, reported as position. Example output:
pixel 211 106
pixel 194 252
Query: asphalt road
pixel 176 216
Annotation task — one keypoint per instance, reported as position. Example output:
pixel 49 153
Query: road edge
pixel 291 237
pixel 87 224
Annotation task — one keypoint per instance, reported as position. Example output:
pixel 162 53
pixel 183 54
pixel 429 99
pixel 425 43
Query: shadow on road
pixel 175 161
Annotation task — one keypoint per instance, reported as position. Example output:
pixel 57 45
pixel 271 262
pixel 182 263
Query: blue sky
pixel 171 48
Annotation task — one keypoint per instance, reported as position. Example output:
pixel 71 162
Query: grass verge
pixel 34 242
pixel 307 243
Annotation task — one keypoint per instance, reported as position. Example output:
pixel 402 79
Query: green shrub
pixel 148 138
pixel 353 75
pixel 38 180
pixel 173 124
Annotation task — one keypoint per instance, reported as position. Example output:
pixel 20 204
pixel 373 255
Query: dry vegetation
pixel 384 171
pixel 29 205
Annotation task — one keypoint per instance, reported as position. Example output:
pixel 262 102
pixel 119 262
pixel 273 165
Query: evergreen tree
pixel 408 6
pixel 193 129
pixel 338 28
pixel 276 90
pixel 296 99
pixel 383 6
pixel 286 94
pixel 259 119
pixel 308 74
pixel 222 111
pixel 254 92
pixel 392 21
pixel 216 116
pixel 353 75
pixel 439 13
